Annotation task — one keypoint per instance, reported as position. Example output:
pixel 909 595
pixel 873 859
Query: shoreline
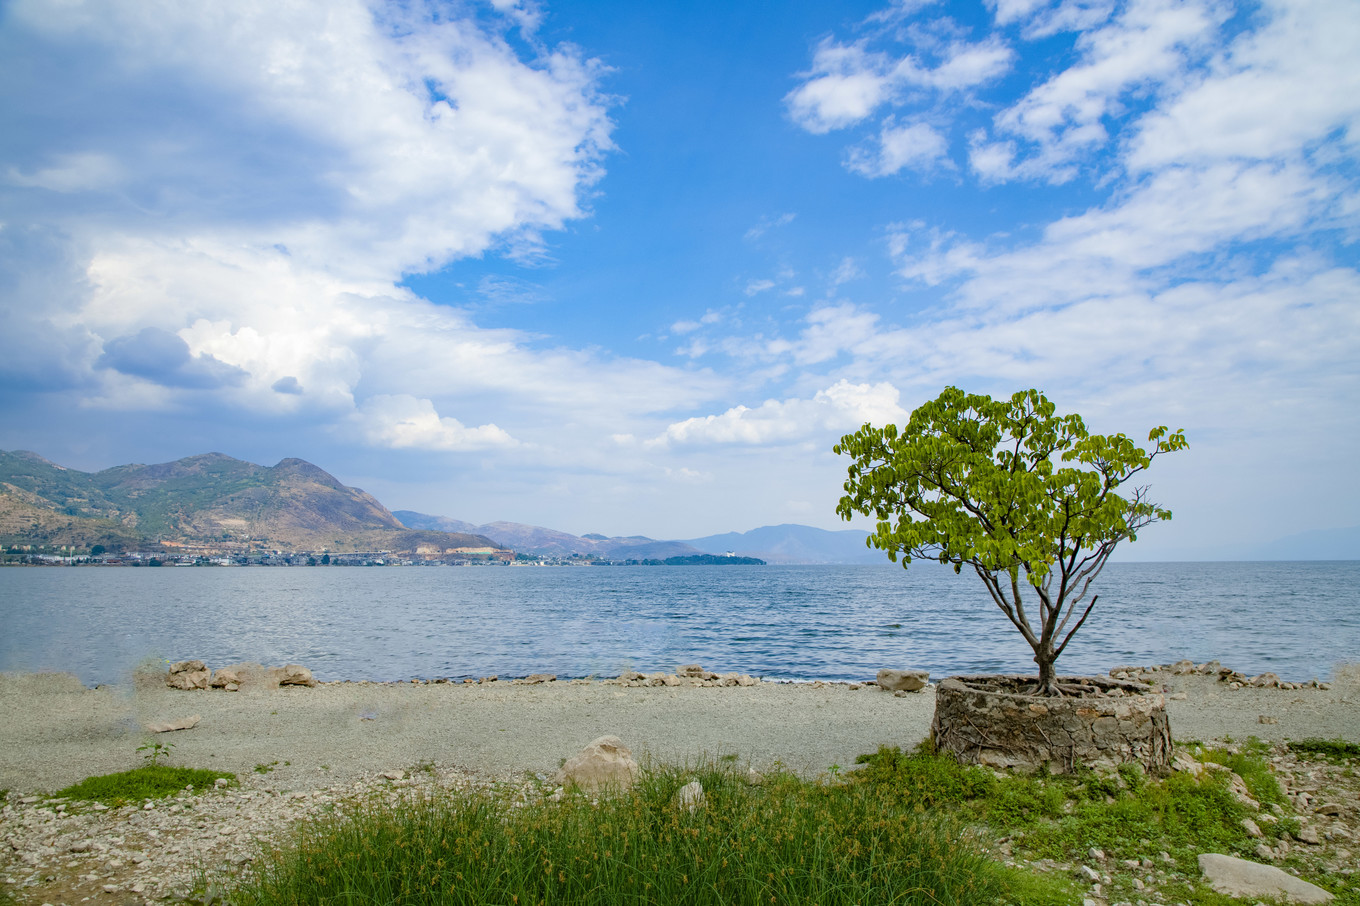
pixel 54 731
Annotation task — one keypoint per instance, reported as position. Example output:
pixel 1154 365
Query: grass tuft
pixel 784 841
pixel 151 781
pixel 1331 749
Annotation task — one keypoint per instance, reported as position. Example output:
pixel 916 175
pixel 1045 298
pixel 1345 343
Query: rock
pixel 535 679
pixel 605 763
pixel 393 775
pixel 1328 808
pixel 692 670
pixel 1184 667
pixel 186 723
pixel 1265 681
pixel 1308 834
pixel 1239 878
pixel 1266 719
pixel 296 675
pixel 903 680
pixel 227 676
pixel 188 675
pixel 1252 829
pixel 690 797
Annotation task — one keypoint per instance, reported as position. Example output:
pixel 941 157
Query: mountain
pixel 1318 544
pixel 794 544
pixel 206 499
pixel 545 542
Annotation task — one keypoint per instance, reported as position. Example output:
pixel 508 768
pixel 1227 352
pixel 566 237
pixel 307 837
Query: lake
pixel 778 622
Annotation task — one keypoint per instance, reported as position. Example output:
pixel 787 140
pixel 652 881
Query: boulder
pixel 227 676
pixel 903 680
pixel 295 675
pixel 188 675
pixel 535 679
pixel 1250 880
pixel 604 764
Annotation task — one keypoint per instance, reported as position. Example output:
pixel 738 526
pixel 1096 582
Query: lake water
pixel 779 622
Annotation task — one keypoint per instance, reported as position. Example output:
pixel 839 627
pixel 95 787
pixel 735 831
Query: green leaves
pixel 1007 487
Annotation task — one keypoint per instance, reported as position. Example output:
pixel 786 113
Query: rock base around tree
pixel 998 721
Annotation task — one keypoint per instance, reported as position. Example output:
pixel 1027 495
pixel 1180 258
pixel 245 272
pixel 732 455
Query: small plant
pixel 155 751
pixel 263 768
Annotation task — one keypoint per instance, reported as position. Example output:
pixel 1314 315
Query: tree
pixel 1023 496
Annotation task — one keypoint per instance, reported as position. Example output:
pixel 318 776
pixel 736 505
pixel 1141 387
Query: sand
pixel 54 732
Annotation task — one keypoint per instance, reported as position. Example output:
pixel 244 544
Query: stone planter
pixel 993 720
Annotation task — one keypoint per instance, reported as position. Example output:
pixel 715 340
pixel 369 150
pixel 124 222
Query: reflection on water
pixel 787 622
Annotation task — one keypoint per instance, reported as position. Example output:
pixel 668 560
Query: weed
pixel 150 781
pixel 263 768
pixel 155 751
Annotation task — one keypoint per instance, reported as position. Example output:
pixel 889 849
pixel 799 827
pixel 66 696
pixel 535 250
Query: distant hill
pixel 209 498
pixel 1318 544
pixel 794 544
pixel 545 542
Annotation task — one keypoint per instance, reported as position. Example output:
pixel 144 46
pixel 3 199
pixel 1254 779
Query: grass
pixel 1330 749
pixel 784 841
pixel 150 781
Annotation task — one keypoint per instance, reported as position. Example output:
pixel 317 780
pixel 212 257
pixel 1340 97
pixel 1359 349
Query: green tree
pixel 1022 495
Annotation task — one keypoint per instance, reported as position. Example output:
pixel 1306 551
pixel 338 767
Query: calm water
pixel 788 622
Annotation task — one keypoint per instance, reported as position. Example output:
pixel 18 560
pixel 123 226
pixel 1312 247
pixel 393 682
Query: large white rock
pixel 1240 878
pixel 604 764
pixel 903 680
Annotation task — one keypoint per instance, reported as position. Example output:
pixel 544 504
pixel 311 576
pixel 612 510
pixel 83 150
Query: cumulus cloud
pixel 403 422
pixel 841 407
pixel 164 358
pixel 917 146
pixel 848 82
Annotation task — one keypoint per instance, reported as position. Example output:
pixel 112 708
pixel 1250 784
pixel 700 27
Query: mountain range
pixel 210 499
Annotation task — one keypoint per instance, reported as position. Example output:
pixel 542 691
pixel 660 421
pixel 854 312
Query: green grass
pixel 1331 749
pixel 147 782
pixel 784 841
pixel 1124 814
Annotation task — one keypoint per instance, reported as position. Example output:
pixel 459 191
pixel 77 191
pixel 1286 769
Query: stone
pixel 296 675
pixel 1252 829
pixel 1265 681
pixel 606 763
pixel 693 670
pixel 903 680
pixel 690 797
pixel 1332 809
pixel 185 723
pixel 1267 719
pixel 1239 878
pixel 188 675
pixel 1308 834
pixel 227 676
pixel 393 775
pixel 535 679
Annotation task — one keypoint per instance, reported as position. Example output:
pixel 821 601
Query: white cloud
pixel 404 422
pixel 841 407
pixel 848 83
pixel 1150 43
pixel 917 147
pixel 1274 93
pixel 755 287
pixel 415 138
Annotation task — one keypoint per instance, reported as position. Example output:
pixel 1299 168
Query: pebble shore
pixel 318 747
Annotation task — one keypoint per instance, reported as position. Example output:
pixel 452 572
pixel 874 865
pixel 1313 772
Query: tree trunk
pixel 1048 677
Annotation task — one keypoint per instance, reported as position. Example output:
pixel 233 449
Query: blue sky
pixel 634 268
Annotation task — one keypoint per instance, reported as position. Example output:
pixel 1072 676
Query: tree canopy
pixel 1024 496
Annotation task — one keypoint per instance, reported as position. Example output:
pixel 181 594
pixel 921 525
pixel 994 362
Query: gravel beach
pixel 54 731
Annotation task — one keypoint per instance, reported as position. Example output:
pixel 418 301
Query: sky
pixel 635 268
